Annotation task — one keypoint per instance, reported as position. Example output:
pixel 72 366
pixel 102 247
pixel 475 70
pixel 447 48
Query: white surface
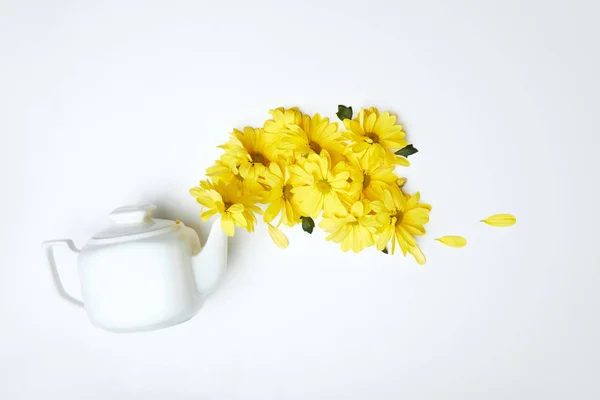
pixel 104 103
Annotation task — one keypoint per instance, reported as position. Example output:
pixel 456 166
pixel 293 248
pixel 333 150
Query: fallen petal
pixel 278 237
pixel 500 220
pixel 453 241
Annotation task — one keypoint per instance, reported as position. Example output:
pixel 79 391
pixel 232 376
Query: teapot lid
pixel 132 220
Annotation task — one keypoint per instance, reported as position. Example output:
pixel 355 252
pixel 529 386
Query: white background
pixel 110 102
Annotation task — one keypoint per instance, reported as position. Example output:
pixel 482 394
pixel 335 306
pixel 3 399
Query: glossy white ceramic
pixel 143 273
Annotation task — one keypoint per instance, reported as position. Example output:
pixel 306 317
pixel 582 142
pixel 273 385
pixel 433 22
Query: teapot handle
pixel 49 252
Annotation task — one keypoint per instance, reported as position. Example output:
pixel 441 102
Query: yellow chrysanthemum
pixel 251 151
pixel 280 196
pixel 352 194
pixel 302 166
pixel 401 219
pixel 220 171
pixel 317 187
pixel 236 209
pixel 376 136
pixel 314 135
pixel 353 231
pixel 369 177
pixel 283 119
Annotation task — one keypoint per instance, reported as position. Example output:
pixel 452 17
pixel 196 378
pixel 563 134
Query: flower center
pixel 366 181
pixel 287 192
pixel 399 215
pixel 227 205
pixel 372 136
pixel 316 147
pixel 323 186
pixel 258 158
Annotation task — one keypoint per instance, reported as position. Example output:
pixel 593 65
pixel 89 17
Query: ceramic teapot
pixel 143 273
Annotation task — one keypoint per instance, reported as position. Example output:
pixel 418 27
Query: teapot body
pixel 142 284
pixel 142 273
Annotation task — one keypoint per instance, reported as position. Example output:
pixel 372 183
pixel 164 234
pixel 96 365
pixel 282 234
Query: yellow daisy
pixel 236 209
pixel 251 151
pixel 370 177
pixel 220 171
pixel 375 136
pixel 283 119
pixel 401 219
pixel 353 231
pixel 317 187
pixel 352 194
pixel 279 196
pixel 314 135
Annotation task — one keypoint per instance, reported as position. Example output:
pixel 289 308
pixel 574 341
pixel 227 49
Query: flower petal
pixel 417 254
pixel 453 241
pixel 408 238
pixel 385 237
pixel 402 161
pixel 227 225
pixel 500 220
pixel 301 174
pixel 239 219
pixel 360 147
pixel 236 208
pixel 273 209
pixel 370 122
pixel 388 200
pixel 278 237
pixel 207 214
pixel 357 209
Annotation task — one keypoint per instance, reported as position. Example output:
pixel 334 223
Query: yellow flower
pixel 375 135
pixel 453 241
pixel 314 135
pixel 369 177
pixel 316 187
pixel 353 231
pixel 401 219
pixel 500 220
pixel 250 151
pixel 220 171
pixel 352 194
pixel 283 119
pixel 279 196
pixel 235 208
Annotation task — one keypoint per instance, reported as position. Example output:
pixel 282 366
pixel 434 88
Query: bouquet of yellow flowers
pixel 304 167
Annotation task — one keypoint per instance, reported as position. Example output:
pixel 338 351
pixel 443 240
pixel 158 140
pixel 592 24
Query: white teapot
pixel 143 273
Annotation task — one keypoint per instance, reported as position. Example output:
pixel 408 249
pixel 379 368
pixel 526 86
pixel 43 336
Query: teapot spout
pixel 210 263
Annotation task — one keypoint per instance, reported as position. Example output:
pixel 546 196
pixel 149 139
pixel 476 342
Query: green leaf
pixel 308 224
pixel 406 151
pixel 344 112
pixel 384 251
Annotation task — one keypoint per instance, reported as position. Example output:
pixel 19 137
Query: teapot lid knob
pixel 132 214
pixel 131 220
